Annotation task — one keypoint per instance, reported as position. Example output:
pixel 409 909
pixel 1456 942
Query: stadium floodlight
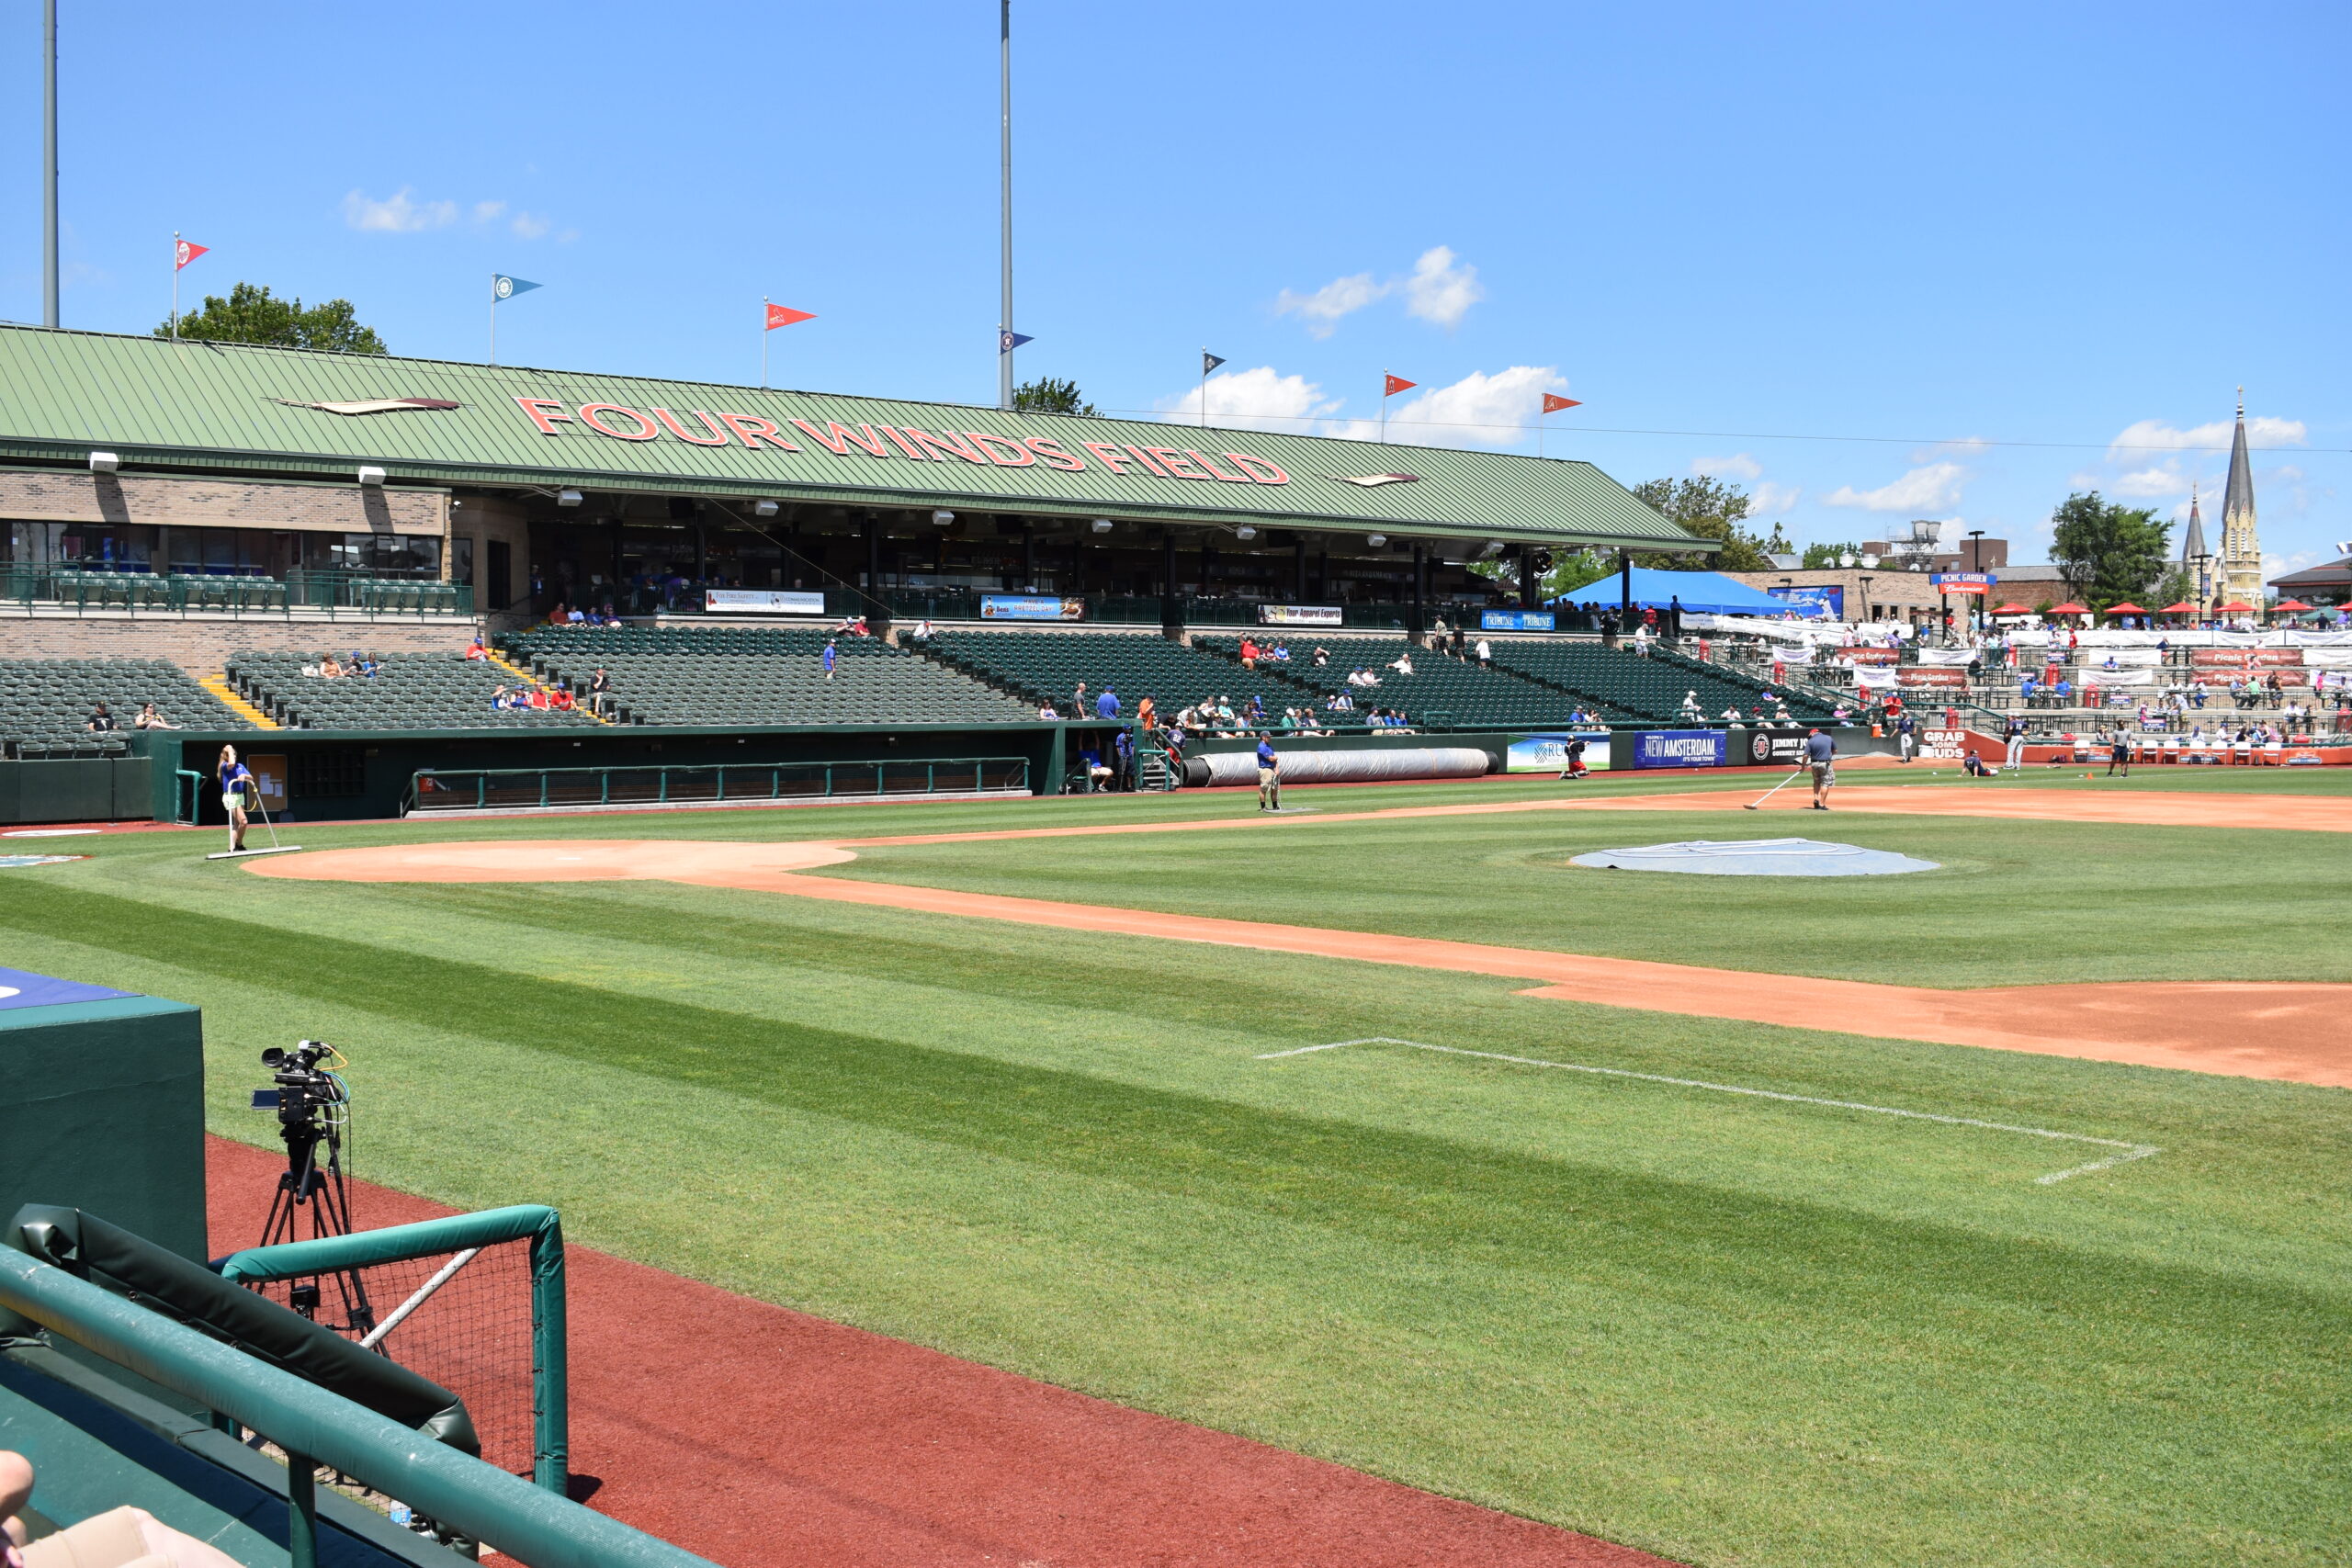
pixel 1375 540
pixel 943 519
pixel 369 474
pixel 568 497
pixel 1848 559
pixel 1871 562
pixel 764 509
pixel 1101 525
pixel 104 462
pixel 1245 532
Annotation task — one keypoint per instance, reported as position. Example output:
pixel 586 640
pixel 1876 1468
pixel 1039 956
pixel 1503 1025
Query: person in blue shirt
pixel 831 655
pixel 1123 761
pixel 237 791
pixel 1270 775
pixel 1107 705
pixel 1820 753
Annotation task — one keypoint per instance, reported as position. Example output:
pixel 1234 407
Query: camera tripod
pixel 316 1188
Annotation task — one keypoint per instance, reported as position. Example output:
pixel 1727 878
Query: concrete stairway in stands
pixel 218 687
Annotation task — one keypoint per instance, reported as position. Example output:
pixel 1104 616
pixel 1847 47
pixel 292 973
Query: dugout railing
pixel 314 1427
pixel 441 790
pixel 455 1243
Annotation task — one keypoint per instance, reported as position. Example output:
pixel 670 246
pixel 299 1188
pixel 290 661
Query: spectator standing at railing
pixel 1107 705
pixel 1148 715
pixel 600 692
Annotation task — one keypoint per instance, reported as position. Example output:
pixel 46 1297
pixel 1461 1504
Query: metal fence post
pixel 302 1511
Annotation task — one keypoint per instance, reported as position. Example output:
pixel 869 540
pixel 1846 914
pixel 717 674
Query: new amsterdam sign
pixel 617 422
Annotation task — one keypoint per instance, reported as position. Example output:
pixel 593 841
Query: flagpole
pixel 1383 406
pixel 493 317
pixel 1204 386
pixel 763 343
pixel 1005 157
pixel 175 286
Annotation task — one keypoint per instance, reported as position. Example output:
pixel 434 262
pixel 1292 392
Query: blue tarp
pixel 20 988
pixel 1706 593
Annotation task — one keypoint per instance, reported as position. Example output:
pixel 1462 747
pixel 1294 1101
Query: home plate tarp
pixel 1757 857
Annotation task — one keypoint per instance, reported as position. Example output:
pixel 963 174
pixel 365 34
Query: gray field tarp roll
pixel 1342 767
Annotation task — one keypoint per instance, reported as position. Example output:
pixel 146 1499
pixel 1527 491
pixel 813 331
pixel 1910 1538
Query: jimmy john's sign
pixel 895 443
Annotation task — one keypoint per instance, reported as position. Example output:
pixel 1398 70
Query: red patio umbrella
pixel 2238 607
pixel 2013 610
pixel 2123 610
pixel 2291 605
pixel 2182 608
pixel 2066 609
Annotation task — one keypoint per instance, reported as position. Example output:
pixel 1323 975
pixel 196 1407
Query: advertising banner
pixel 1871 655
pixel 1681 748
pixel 1819 598
pixel 1761 748
pixel 1548 754
pixel 1959 656
pixel 1962 581
pixel 762 601
pixel 1300 615
pixel 1516 621
pixel 1913 675
pixel 1031 607
pixel 1943 745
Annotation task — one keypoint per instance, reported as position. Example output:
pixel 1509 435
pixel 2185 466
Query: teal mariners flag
pixel 504 287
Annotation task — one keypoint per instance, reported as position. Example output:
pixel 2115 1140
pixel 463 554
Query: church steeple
pixel 2193 542
pixel 2241 546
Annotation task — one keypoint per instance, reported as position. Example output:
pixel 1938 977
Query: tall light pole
pixel 1004 158
pixel 49 164
pixel 1976 565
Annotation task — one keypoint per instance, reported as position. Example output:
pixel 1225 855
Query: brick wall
pixel 202 647
pixel 63 496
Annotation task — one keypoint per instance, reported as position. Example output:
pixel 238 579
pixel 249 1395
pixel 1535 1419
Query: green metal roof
pixel 235 407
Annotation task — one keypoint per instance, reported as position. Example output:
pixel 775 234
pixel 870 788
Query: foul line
pixel 2131 1151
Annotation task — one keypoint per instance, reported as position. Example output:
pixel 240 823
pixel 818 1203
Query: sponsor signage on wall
pixel 1548 754
pixel 1031 607
pixel 1820 598
pixel 893 442
pixel 1681 748
pixel 762 601
pixel 1516 621
pixel 1962 581
pixel 1761 746
pixel 1943 745
pixel 1300 615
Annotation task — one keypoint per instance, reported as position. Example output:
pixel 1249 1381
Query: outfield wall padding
pixel 1343 766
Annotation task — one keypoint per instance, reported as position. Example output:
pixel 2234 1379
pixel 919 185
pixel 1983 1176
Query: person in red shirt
pixel 1249 654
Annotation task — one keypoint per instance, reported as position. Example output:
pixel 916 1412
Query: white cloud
pixel 1262 398
pixel 2152 484
pixel 1477 410
pixel 1439 290
pixel 1769 499
pixel 529 225
pixel 1924 488
pixel 485 211
pixel 400 213
pixel 1738 466
pixel 1321 311
pixel 2260 431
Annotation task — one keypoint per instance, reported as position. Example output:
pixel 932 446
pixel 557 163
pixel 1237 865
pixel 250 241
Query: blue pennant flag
pixel 1210 361
pixel 504 287
pixel 1007 340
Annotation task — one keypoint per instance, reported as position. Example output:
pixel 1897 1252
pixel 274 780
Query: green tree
pixel 1712 509
pixel 2107 553
pixel 1817 557
pixel 2177 584
pixel 253 314
pixel 1046 395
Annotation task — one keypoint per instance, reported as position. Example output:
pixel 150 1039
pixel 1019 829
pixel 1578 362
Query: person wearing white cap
pixel 1691 711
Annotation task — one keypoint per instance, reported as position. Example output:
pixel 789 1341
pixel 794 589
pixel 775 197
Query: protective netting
pixel 472 1335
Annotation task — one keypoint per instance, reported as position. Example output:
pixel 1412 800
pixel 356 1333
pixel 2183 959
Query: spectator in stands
pixel 361 664
pixel 1458 639
pixel 600 692
pixel 475 649
pixel 1045 711
pixel 101 721
pixel 1608 628
pixel 831 656
pixel 150 719
pixel 1078 704
pixel 1486 654
pixel 1641 639
pixel 329 667
pixel 1147 714
pixel 1249 652
pixel 1279 653
pixel 1690 708
pixel 2197 693
pixel 1107 705
pixel 1403 663
pixel 922 630
pixel 1321 658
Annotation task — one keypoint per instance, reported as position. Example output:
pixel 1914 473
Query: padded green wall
pixel 102 1107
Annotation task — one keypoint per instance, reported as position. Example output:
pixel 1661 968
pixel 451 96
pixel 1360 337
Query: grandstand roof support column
pixel 1028 557
pixel 1418 621
pixel 620 578
pixel 1527 584
pixel 702 553
pixel 877 609
pixel 1171 609
pixel 1299 570
pixel 1624 587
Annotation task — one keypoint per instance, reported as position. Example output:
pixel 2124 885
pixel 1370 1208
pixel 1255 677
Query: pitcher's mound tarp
pixel 1757 857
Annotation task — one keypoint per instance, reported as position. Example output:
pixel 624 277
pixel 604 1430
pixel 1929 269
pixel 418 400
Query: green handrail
pixel 534 1222
pixel 456 1490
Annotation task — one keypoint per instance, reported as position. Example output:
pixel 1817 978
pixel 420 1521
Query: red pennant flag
pixel 184 251
pixel 1396 385
pixel 783 316
pixel 1553 402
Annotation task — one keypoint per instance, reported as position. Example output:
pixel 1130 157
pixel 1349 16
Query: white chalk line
pixel 2131 1151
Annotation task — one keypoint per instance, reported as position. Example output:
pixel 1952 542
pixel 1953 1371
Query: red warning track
pixel 766 1438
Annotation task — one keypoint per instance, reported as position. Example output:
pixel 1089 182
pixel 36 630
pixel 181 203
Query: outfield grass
pixel 1727 1329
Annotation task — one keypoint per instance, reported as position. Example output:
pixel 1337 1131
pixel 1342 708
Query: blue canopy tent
pixel 1703 592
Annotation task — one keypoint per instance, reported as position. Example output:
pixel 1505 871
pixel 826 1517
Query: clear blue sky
pixel 2064 224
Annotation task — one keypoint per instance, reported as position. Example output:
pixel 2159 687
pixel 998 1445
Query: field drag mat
pixel 763 1437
